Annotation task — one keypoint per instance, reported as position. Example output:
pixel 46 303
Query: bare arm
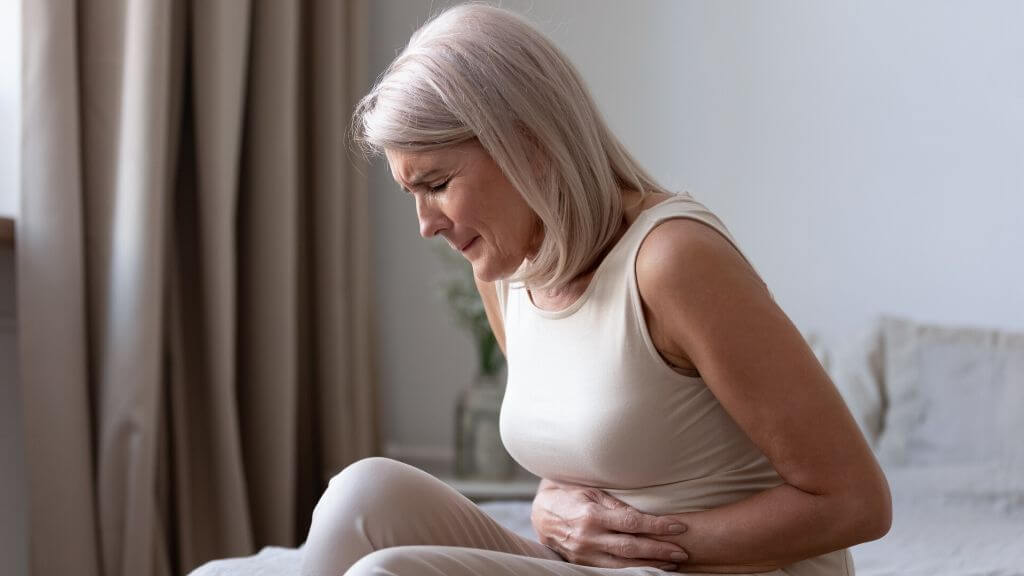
pixel 489 296
pixel 707 304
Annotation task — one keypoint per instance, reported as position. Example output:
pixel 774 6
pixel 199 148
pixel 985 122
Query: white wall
pixel 10 104
pixel 868 156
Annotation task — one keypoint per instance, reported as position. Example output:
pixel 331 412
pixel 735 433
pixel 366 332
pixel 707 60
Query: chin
pixel 485 273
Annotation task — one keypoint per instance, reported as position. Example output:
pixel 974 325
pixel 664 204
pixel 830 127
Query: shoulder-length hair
pixel 477 71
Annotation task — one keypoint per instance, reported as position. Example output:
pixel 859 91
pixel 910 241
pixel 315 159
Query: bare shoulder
pixel 685 270
pixel 686 253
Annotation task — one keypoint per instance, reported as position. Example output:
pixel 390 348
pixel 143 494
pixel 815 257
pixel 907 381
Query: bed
pixel 942 406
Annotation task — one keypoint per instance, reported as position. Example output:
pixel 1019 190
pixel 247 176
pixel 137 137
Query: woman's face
pixel 461 194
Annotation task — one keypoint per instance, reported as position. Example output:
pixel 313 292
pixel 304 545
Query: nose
pixel 431 219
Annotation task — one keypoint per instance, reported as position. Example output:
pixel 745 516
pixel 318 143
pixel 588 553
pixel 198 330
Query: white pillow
pixel 817 345
pixel 954 395
pixel 857 372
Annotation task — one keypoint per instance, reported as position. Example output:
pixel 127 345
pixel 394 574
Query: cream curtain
pixel 192 276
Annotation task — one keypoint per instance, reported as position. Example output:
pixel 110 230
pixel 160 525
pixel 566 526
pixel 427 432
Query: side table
pixel 486 490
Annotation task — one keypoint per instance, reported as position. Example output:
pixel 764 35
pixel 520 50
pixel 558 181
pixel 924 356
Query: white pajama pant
pixel 380 516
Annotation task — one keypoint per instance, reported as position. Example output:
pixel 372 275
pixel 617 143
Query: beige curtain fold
pixel 192 277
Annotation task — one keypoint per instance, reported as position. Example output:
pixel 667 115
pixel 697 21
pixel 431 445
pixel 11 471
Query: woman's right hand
pixel 587 526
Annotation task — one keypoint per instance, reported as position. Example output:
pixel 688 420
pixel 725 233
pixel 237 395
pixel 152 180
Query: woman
pixel 677 417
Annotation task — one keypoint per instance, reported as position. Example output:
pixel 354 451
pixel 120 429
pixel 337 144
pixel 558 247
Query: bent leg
pixel 453 561
pixel 379 503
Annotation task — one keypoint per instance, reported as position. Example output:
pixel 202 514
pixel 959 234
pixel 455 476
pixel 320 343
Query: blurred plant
pixel 458 287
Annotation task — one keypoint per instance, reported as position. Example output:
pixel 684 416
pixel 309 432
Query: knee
pixel 377 488
pixel 339 534
pixel 367 481
pixel 358 490
pixel 361 474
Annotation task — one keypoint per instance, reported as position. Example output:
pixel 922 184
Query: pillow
pixel 955 395
pixel 858 372
pixel 817 345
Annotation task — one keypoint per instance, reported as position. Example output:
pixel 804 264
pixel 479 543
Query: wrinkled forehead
pixel 411 167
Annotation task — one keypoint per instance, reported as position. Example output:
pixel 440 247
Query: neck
pixel 583 278
pixel 629 200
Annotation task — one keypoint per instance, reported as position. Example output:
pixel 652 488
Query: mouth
pixel 469 244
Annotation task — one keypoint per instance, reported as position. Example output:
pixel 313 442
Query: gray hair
pixel 477 71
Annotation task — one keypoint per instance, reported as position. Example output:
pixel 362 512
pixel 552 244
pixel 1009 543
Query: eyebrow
pixel 421 178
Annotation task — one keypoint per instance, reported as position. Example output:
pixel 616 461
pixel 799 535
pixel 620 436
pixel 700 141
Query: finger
pixel 657 524
pixel 632 521
pixel 609 501
pixel 632 547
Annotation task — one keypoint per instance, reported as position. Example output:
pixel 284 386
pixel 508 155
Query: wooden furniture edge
pixel 6 231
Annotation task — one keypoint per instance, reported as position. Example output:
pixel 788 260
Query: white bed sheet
pixel 947 521
pixel 951 520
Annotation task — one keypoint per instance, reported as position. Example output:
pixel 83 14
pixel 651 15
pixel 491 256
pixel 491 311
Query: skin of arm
pixel 489 296
pixel 704 303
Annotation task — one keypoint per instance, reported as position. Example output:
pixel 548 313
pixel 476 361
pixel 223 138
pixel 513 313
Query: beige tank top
pixel 589 399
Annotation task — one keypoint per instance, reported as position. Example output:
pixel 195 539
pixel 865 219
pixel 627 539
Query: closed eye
pixel 440 187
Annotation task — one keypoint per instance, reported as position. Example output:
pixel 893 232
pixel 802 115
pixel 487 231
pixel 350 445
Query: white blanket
pixel 947 521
